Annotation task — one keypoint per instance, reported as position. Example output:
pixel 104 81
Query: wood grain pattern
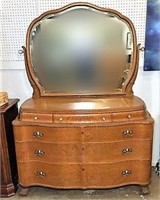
pixel 8 175
pixel 84 152
pixel 36 117
pixel 84 148
pixel 112 132
pixel 82 118
pixel 98 175
pixel 99 104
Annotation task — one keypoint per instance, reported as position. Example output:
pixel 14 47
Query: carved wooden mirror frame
pixel 37 88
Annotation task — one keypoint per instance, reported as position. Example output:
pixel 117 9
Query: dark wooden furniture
pixel 9 178
pixel 83 127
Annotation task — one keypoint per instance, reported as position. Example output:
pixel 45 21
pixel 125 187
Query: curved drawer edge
pixel 86 187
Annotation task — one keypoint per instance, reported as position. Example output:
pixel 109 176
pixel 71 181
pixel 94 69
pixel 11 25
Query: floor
pixel 123 193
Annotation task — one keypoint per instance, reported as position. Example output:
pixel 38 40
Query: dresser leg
pixel 144 190
pixel 24 191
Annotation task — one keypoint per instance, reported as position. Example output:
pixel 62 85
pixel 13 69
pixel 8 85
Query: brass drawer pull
pixel 128 133
pixel 126 172
pixel 39 152
pixel 41 174
pixel 127 150
pixel 37 134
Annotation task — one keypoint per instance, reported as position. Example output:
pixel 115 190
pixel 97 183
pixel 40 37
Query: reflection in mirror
pixel 81 50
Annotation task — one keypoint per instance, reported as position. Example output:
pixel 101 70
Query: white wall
pixel 147 87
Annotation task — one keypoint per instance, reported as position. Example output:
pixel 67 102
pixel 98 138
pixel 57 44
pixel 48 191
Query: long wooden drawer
pixel 81 134
pixel 96 175
pixel 84 152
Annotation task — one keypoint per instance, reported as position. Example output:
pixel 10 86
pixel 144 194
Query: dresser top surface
pixel 109 104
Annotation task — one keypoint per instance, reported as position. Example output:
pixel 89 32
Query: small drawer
pixel 81 118
pixel 129 116
pixel 36 117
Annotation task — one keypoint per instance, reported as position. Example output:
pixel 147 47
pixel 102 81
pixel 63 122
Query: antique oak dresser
pixel 83 127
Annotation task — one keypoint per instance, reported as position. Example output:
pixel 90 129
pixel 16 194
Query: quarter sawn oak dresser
pixel 83 128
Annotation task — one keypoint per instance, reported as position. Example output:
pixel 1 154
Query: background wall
pixel 15 18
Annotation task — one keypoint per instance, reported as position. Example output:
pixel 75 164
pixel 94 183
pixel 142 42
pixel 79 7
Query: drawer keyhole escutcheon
pixel 127 151
pixel 128 133
pixel 37 134
pixel 41 174
pixel 39 152
pixel 126 172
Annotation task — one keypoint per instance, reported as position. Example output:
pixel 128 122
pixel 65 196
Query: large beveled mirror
pixel 81 50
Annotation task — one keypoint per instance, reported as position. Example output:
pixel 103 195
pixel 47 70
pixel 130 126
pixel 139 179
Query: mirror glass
pixel 81 50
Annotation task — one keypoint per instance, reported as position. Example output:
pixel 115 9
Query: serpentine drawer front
pixel 67 157
pixel 79 134
pixel 84 152
pixel 83 175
